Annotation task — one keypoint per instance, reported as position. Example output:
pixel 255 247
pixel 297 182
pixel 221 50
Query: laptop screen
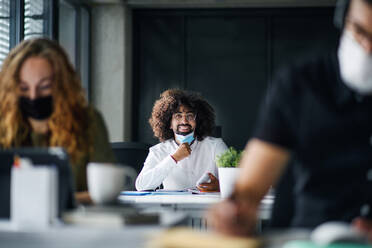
pixel 39 156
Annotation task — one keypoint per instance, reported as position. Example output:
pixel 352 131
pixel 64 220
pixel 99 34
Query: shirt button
pixel 369 175
pixel 364 210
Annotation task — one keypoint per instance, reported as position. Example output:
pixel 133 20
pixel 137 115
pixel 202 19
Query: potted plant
pixel 228 170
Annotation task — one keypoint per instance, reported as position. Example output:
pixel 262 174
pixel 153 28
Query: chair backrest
pixel 132 154
pixel 217 132
pixel 5 191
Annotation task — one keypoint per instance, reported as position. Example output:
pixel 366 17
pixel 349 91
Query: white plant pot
pixel 227 178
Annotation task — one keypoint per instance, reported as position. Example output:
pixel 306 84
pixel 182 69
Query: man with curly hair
pixel 183 122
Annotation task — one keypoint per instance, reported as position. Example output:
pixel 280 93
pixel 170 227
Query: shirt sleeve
pixel 154 171
pixel 277 121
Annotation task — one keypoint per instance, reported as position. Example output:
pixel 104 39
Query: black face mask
pixel 40 108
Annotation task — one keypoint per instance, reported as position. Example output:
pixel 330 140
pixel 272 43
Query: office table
pixel 194 205
pixel 106 228
pixel 69 236
pixel 115 236
pixel 119 236
pixel 133 237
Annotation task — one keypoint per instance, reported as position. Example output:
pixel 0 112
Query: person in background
pixel 183 122
pixel 318 111
pixel 42 104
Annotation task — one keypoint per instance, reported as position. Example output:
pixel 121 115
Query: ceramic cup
pixel 106 181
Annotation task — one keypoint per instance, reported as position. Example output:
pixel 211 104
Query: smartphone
pixel 204 179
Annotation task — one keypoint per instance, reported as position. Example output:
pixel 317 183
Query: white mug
pixel 107 180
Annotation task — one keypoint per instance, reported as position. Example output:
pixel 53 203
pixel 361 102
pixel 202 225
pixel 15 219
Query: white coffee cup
pixel 107 180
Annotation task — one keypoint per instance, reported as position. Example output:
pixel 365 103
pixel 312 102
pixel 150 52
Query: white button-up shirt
pixel 160 168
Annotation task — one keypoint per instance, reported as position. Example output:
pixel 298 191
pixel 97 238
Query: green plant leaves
pixel 229 158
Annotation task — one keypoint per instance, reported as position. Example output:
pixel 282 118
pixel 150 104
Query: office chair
pixel 217 132
pixel 132 154
pixel 5 191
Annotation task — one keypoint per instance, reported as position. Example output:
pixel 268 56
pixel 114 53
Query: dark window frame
pixel 81 8
pixel 17 20
pixel 17 10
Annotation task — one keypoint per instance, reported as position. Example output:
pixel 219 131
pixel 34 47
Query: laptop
pixel 39 156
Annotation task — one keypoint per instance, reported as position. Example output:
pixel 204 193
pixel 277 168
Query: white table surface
pixel 193 204
pixel 207 199
pixel 198 201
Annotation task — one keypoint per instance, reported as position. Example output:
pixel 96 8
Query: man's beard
pixel 184 133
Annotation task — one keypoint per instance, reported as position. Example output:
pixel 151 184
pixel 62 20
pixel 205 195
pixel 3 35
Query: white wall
pixel 111 67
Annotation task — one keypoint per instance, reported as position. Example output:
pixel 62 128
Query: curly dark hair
pixel 170 102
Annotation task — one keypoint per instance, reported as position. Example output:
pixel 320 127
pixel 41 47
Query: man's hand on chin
pixel 182 152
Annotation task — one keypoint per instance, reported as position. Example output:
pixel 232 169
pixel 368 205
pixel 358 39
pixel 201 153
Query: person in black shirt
pixel 320 113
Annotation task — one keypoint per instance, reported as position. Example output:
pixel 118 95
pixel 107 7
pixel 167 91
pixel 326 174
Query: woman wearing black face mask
pixel 42 103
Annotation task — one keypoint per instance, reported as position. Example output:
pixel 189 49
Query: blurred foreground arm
pixel 262 164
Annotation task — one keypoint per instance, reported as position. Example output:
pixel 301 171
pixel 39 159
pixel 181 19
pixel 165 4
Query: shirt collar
pixel 194 144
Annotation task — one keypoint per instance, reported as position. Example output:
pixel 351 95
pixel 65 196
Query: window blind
pixel 4 29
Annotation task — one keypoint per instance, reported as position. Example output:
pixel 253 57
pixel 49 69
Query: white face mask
pixel 355 64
